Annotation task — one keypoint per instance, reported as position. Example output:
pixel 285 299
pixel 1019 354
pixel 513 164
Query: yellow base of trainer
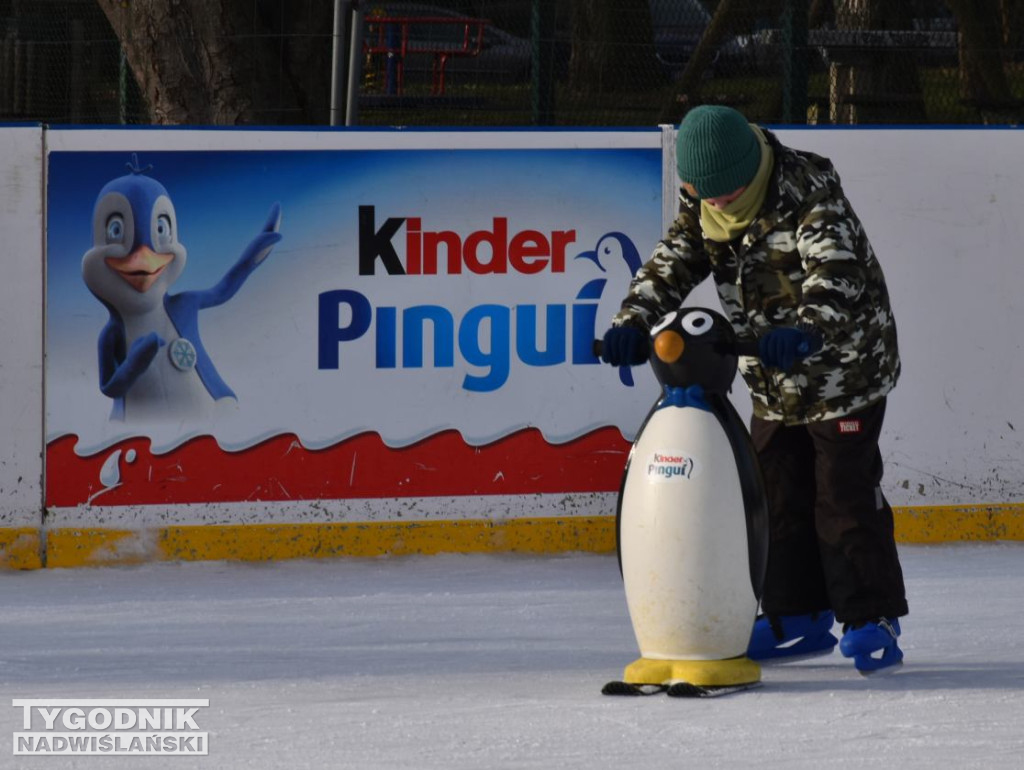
pixel 703 673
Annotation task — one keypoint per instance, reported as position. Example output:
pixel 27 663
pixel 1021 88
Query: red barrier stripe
pixel 281 469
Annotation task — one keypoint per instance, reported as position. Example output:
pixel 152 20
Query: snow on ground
pixel 470 662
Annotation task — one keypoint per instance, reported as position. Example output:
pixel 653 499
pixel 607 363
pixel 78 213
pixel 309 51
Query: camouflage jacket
pixel 804 261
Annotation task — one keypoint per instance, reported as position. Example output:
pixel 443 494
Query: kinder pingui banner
pixel 253 316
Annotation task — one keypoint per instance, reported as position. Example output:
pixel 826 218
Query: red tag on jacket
pixel 849 426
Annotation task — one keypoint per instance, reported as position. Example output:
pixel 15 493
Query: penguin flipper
pixel 117 378
pixel 755 498
pixel 252 256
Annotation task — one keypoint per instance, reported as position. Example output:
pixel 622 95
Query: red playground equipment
pixel 397 37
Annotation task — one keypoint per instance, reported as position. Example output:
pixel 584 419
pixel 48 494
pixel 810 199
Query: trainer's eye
pixel 697 322
pixel 664 322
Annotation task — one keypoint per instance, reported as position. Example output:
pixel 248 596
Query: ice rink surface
pixel 475 662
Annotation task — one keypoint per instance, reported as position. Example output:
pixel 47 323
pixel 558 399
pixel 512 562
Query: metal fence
pixel 537 62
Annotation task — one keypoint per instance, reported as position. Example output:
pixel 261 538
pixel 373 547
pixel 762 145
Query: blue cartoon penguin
pixel 152 362
pixel 611 246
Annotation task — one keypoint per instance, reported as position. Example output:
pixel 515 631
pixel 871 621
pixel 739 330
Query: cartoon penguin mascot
pixel 692 521
pixel 152 361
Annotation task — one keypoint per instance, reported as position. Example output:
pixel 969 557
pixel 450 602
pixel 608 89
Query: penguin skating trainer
pixel 786 638
pixel 692 523
pixel 873 645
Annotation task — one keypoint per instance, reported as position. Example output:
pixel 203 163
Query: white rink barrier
pixel 374 342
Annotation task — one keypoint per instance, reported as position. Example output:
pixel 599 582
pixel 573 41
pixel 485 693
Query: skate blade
pixel 889 661
pixel 779 660
pixel 628 688
pixel 687 690
pixel 884 671
pixel 800 648
pixel 675 690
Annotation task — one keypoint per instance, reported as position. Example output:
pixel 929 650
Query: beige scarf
pixel 725 224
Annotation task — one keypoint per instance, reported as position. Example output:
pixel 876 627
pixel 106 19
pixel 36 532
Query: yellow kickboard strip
pixel 271 542
pixel 953 523
pixel 22 548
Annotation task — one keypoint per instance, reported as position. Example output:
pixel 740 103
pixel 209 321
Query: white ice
pixel 469 662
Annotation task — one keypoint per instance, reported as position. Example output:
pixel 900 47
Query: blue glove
pixel 625 346
pixel 781 348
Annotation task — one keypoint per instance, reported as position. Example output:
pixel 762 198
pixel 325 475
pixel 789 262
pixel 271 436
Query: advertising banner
pixel 260 316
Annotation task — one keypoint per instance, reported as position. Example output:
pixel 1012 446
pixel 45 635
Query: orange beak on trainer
pixel 669 346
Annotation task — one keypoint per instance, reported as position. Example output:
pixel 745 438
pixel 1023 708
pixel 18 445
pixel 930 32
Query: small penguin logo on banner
pixel 670 466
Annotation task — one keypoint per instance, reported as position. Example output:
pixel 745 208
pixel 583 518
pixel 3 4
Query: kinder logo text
pixel 482 252
pixel 111 727
pixel 486 338
pixel 670 466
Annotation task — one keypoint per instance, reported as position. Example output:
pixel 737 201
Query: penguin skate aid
pixel 692 531
pixel 801 286
pixel 692 520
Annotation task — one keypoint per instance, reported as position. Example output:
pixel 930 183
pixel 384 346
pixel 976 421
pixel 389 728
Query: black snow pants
pixel 831 541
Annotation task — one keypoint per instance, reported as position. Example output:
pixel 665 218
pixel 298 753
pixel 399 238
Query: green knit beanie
pixel 716 150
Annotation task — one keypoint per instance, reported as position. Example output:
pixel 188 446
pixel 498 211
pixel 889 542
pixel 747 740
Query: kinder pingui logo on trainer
pixel 670 466
pixel 111 727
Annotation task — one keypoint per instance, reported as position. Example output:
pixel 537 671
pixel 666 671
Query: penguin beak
pixel 141 268
pixel 669 346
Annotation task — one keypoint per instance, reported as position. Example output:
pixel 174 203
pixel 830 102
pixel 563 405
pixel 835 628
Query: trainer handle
pixel 743 348
pixel 747 348
pixel 753 348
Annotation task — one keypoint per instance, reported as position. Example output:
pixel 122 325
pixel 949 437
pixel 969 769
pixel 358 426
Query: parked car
pixel 678 28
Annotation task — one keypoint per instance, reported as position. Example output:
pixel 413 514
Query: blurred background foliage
pixel 510 62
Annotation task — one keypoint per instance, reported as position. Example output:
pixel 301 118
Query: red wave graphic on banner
pixel 281 469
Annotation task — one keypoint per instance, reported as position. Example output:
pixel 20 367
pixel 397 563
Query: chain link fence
pixel 545 62
pixel 62 63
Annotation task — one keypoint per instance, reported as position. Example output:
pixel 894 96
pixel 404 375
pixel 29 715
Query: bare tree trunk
pixel 983 82
pixel 1012 14
pixel 188 57
pixel 727 19
pixel 879 85
pixel 724 19
pixel 818 12
pixel 612 47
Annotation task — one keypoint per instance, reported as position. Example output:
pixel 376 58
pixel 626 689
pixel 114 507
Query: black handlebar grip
pixel 747 348
pixel 742 348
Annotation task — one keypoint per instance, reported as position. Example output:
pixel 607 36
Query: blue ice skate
pixel 782 638
pixel 872 645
